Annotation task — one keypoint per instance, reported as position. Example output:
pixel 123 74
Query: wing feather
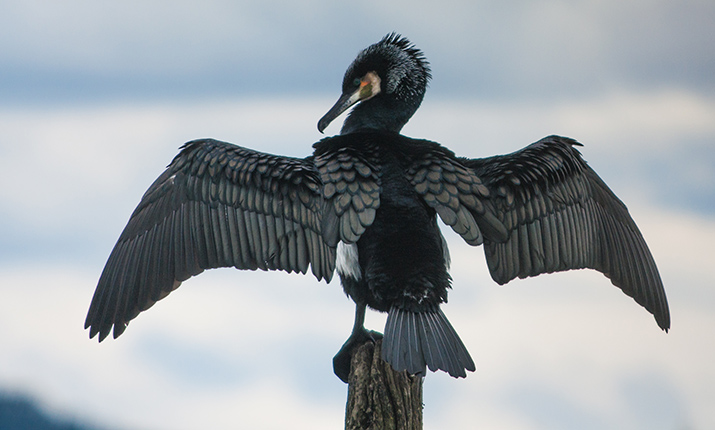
pixel 560 215
pixel 216 205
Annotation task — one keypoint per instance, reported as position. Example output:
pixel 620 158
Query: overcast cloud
pixel 86 50
pixel 96 97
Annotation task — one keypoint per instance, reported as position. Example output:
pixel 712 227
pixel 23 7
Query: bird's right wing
pixel 216 205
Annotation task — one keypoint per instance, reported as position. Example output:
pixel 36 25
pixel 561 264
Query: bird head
pixel 387 81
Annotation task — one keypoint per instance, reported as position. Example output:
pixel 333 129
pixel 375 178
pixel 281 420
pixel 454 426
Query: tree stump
pixel 379 398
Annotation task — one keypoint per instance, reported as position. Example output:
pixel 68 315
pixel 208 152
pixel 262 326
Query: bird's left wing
pixel 216 205
pixel 560 215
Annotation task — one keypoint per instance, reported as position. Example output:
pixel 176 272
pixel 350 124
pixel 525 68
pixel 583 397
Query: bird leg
pixel 359 335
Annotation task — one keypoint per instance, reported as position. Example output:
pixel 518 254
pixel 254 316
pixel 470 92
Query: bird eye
pixel 356 82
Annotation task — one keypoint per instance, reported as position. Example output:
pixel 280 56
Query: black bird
pixel 366 204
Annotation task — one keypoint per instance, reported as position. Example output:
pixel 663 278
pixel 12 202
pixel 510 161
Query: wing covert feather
pixel 349 169
pixel 454 191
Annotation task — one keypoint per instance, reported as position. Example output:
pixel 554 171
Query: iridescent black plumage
pixel 366 203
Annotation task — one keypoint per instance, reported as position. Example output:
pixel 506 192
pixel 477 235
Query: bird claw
pixel 341 361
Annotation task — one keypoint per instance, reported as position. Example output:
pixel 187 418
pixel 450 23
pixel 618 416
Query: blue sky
pixel 96 98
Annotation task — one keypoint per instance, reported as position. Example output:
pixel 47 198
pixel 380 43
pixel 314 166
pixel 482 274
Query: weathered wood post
pixel 379 398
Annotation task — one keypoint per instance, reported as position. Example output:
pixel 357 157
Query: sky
pixel 96 97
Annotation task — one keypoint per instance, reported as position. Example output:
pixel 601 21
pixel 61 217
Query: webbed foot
pixel 341 361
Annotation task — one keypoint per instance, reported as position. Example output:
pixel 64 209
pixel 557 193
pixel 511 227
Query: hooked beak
pixel 343 104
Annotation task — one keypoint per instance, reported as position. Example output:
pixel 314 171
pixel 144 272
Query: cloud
pixel 84 169
pixel 227 345
pixel 78 172
pixel 97 99
pixel 222 349
pixel 82 51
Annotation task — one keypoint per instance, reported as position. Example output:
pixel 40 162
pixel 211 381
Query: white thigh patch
pixel 346 261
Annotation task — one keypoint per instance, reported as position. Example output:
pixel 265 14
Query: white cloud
pixel 226 347
pixel 645 121
pixel 500 50
pixel 221 350
pixel 67 156
pixel 555 334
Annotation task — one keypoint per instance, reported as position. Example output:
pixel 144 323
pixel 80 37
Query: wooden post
pixel 379 398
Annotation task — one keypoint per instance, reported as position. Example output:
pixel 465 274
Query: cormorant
pixel 366 204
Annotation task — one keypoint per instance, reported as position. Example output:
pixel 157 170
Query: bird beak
pixel 343 104
pixel 369 88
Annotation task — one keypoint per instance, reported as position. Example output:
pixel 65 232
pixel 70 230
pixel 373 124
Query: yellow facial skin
pixel 369 86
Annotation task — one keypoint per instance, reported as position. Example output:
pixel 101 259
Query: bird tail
pixel 416 340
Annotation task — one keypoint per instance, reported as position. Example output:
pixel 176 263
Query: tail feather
pixel 416 340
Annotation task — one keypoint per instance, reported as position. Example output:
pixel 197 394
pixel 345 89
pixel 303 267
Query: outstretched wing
pixel 560 215
pixel 216 205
